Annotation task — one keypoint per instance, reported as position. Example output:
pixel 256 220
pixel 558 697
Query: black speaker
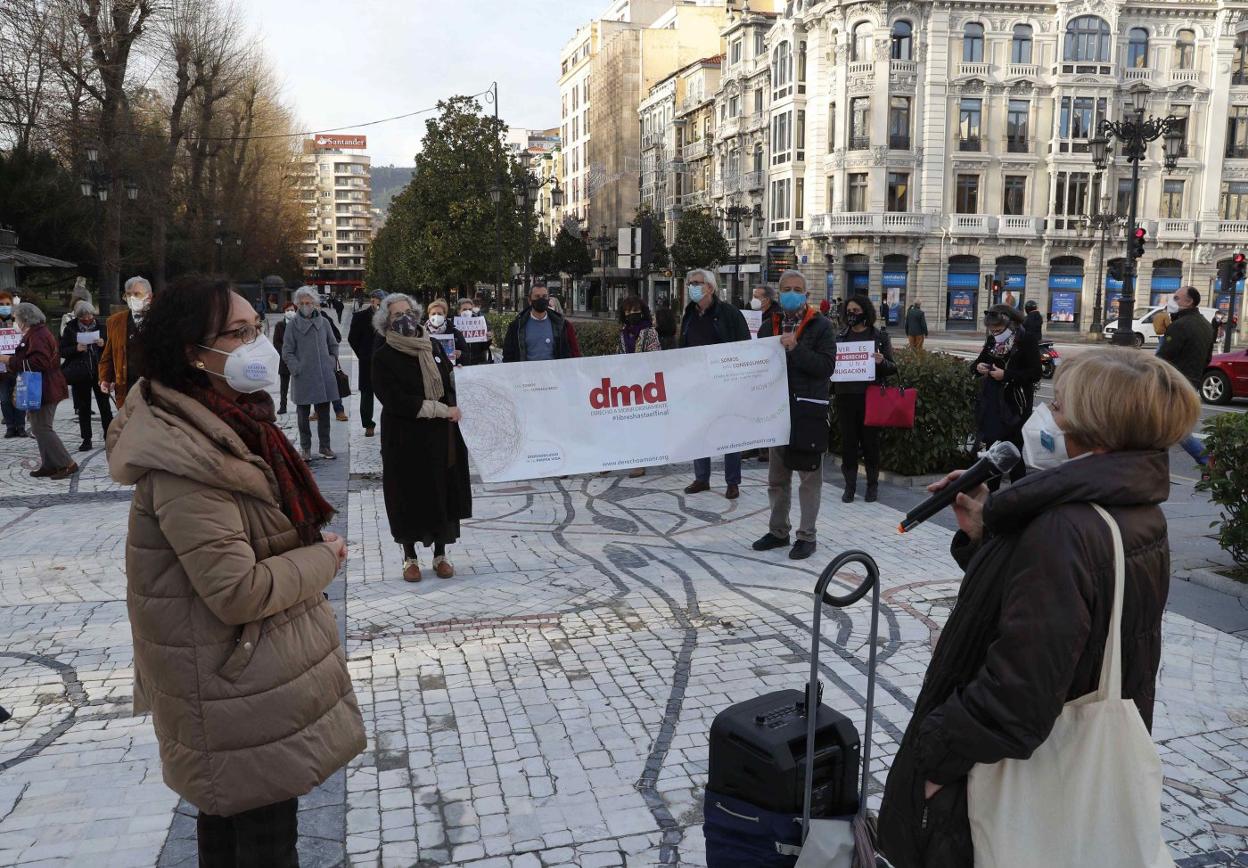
pixel 758 754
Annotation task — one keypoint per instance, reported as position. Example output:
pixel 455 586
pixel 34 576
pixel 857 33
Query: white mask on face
pixel 1172 307
pixel 437 320
pixel 250 368
pixel 137 304
pixel 1044 444
pixel 756 304
pixel 476 311
pixel 290 314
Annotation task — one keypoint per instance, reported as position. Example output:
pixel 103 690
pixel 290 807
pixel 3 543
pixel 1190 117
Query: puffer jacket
pixel 1028 635
pixel 236 650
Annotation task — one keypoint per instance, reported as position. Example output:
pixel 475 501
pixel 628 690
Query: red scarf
pixel 252 418
pixel 777 320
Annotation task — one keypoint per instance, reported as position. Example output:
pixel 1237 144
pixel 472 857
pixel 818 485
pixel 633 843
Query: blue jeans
pixel 1193 447
pixel 732 469
pixel 14 419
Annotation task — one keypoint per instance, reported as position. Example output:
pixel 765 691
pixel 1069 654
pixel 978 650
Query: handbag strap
pixel 1110 686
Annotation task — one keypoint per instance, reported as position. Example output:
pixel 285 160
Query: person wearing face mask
pixel 857 438
pixel 80 364
pixel 289 312
pixel 637 335
pixel 309 349
pixel 14 419
pixel 424 462
pixel 1188 346
pixel 438 322
pixel 1030 629
pixel 119 363
pixel 38 353
pixel 1009 369
pixel 809 342
pixel 763 299
pixel 363 339
pixel 538 333
pixel 236 650
pixel 478 353
pixel 708 321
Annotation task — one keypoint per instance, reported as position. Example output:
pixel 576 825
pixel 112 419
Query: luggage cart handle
pixel 830 571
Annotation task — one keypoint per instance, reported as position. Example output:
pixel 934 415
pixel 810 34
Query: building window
pixel 1073 192
pixel 758 158
pixel 1017 117
pixel 801 67
pixel 973 43
pixel 968 194
pixel 1079 119
pixel 1237 132
pixel 799 204
pixel 902 41
pixel 1020 48
pixel 735 52
pixel 831 128
pixel 800 135
pixel 1137 48
pixel 758 99
pixel 1235 200
pixel 857 192
pixel 1087 40
pixel 734 106
pixel 898 192
pixel 861 48
pixel 829 202
pixel 760 45
pixel 969 116
pixel 899 123
pixel 860 123
pixel 1181 113
pixel 1172 198
pixel 782 71
pixel 780 205
pixel 1014 199
pixel 781 138
pixel 1123 199
pixel 1185 49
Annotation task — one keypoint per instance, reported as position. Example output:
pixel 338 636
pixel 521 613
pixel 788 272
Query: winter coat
pixel 514 349
pixel 39 351
pixel 728 321
pixel 883 345
pixel 362 337
pixel 310 351
pixel 1189 344
pixel 424 462
pixel 665 325
pixel 647 342
pixel 916 322
pixel 83 366
pixel 811 362
pixel 117 362
pixel 279 336
pixel 1005 405
pixel 236 651
pixel 1034 323
pixel 1028 635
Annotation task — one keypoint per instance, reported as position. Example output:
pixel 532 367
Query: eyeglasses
pixel 244 334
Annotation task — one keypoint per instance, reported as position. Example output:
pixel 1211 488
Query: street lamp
pixel 222 237
pixel 735 214
pixel 1101 222
pixel 527 188
pixel 603 242
pixel 1134 132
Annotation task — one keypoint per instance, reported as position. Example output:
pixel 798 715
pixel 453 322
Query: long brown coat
pixel 114 365
pixel 236 650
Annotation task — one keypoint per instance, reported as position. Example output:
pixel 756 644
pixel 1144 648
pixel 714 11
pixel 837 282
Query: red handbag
pixel 890 407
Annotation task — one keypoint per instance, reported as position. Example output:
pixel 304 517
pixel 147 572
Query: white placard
pixel 529 420
pixel 448 344
pixel 88 337
pixel 9 339
pixel 473 328
pixel 855 362
pixel 753 319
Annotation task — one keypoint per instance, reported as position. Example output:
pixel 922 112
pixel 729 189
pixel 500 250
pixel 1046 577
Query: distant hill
pixel 387 182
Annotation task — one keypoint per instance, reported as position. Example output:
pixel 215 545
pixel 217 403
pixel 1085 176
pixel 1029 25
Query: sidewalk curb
pixel 1214 581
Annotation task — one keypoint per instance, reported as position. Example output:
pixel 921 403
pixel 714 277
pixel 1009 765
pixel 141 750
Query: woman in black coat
pixel 857 439
pixel 1009 369
pixel 79 363
pixel 424 462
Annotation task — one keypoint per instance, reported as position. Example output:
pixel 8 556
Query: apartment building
pixel 334 187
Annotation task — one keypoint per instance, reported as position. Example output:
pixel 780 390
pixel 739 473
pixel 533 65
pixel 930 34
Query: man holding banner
pixel 538 334
pixel 809 342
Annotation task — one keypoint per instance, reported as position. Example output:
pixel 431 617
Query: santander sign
pixel 608 395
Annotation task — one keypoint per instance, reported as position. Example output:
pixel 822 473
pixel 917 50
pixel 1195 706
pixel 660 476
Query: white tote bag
pixel 1091 794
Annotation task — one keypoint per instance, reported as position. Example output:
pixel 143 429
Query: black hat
pixel 1002 312
pixel 1031 305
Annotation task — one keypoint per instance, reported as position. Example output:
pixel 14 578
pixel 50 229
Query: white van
pixel 1145 334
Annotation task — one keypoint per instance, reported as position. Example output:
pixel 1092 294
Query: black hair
pixel 631 302
pixel 188 313
pixel 1194 294
pixel 868 309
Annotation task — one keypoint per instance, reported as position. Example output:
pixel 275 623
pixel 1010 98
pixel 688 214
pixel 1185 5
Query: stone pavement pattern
pixel 550 705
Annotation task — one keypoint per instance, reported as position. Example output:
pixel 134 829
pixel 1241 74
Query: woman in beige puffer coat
pixel 236 649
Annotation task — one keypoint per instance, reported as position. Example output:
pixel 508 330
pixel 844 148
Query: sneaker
pixel 64 472
pixel 697 486
pixel 370 431
pixel 342 417
pixel 801 550
pixel 769 541
pixel 86 446
pixel 411 570
pixel 733 492
pixel 305 454
pixel 442 567
pixel 328 453
pixel 637 473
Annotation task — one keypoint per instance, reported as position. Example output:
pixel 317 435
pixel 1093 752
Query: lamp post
pixel 1134 132
pixel 527 189
pixel 95 185
pixel 735 214
pixel 222 237
pixel 1101 222
pixel 603 242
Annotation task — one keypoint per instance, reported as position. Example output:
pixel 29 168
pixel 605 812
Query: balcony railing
pixel 1230 229
pixel 902 66
pixel 730 127
pixel 1137 74
pixel 899 141
pixel 694 150
pixel 753 181
pixel 979 70
pixel 754 121
pixel 969 224
pixel 862 67
pixel 860 143
pixel 969 144
pixel 1020 227
pixel 865 223
pixel 1175 229
pixel 1185 75
pixel 1017 146
pixel 1237 152
pixel 1022 70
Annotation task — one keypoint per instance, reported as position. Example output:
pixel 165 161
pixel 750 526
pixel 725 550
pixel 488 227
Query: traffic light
pixel 1239 263
pixel 996 286
pixel 1138 234
pixel 1115 269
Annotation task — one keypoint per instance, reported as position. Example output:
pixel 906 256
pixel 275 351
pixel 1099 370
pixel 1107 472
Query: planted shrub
pixel 1226 439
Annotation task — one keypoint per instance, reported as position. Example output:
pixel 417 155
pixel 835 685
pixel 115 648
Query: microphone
pixel 997 460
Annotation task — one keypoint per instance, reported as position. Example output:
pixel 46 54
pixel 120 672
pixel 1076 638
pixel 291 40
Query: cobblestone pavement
pixel 549 706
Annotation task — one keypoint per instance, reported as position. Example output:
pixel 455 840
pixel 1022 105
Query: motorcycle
pixel 1050 358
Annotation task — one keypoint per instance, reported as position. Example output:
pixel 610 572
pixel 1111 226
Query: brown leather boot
pixel 411 570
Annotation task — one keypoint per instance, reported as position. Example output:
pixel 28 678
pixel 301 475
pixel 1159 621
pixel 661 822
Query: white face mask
pixel 756 304
pixel 476 311
pixel 137 304
pixel 1172 307
pixel 250 368
pixel 1044 444
pixel 437 320
pixel 290 314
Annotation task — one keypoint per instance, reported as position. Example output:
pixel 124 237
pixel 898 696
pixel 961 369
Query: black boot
pixel 851 483
pixel 873 484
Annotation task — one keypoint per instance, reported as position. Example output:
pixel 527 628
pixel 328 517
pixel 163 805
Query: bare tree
pixel 24 70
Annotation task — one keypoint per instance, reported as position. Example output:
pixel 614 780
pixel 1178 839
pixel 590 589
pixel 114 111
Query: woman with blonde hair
pixel 1030 630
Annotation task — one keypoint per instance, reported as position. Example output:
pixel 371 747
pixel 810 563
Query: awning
pixel 25 259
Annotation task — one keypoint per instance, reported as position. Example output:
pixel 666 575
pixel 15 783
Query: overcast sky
pixel 349 62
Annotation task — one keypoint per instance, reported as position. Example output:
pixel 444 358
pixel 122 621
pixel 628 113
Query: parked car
pixel 1226 378
pixel 1143 324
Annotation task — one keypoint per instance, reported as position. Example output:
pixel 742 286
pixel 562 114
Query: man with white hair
pixel 119 364
pixel 708 321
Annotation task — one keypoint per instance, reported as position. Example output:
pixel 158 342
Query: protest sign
pixel 855 362
pixel 753 319
pixel 473 328
pixel 448 344
pixel 537 419
pixel 9 339
pixel 88 337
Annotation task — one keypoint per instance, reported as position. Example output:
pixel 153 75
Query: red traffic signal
pixel 1239 263
pixel 1138 235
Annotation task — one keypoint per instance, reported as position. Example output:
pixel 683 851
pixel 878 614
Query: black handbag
pixel 344 382
pixel 808 435
pixel 79 369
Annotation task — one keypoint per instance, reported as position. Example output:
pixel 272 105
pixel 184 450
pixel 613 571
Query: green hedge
pixel 1226 439
pixel 944 419
pixel 600 338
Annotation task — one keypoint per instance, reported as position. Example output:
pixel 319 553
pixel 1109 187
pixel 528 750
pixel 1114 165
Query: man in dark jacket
pixel 538 333
pixel 708 321
pixel 809 341
pixel 1034 322
pixel 916 326
pixel 363 337
pixel 1188 345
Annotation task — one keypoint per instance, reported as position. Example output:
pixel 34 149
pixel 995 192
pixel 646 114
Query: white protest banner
pixel 529 420
pixel 9 339
pixel 473 328
pixel 855 362
pixel 753 319
pixel 88 337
